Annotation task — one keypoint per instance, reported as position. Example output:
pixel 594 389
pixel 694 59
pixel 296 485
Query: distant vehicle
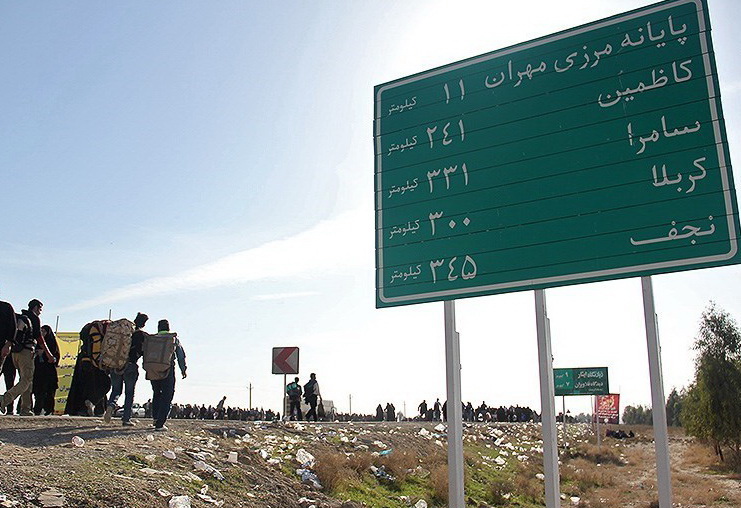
pixel 137 411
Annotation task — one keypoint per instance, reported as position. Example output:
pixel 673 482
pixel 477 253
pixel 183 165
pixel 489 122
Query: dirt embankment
pixel 254 464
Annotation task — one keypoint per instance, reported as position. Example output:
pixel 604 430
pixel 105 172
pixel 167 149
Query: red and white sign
pixel 285 360
pixel 608 408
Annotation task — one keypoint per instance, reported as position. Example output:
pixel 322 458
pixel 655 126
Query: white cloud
pixel 333 245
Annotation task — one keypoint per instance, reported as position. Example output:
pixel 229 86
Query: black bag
pixel 320 410
pixel 23 338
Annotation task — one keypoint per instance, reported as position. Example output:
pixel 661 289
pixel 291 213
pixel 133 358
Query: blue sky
pixel 212 163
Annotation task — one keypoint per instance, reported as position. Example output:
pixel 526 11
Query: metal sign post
pixel 661 438
pixel 547 403
pixel 455 416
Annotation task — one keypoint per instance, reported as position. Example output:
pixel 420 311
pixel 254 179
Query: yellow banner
pixel 69 346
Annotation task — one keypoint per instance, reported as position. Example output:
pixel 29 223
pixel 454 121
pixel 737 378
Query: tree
pixel 637 415
pixel 712 408
pixel 674 408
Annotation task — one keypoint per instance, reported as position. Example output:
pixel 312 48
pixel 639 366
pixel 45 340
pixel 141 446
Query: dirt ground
pixel 137 467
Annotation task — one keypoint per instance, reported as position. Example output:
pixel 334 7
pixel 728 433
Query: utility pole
pixel 250 388
pixel 351 404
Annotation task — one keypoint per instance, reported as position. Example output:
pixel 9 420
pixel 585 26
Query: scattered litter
pixel 540 476
pixel 500 461
pixel 575 500
pixel 149 470
pixel 192 477
pixel 306 501
pixel 264 454
pixel 420 504
pixel 51 498
pixel 169 454
pixel 164 493
pixel 304 458
pixel 124 477
pixel 309 477
pixel 422 472
pixel 233 457
pixel 380 444
pixel 209 499
pixel 440 427
pixel 78 441
pixel 385 452
pixel 179 502
pixel 150 437
pixel 202 466
pixel 150 458
pixel 381 474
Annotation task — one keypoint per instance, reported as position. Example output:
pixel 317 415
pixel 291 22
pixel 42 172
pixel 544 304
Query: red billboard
pixel 607 408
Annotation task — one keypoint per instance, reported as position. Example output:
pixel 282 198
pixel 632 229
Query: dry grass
pixel 604 454
pixel 333 469
pixel 359 462
pixel 585 475
pixel 399 463
pixel 439 483
pixel 499 489
pixel 529 487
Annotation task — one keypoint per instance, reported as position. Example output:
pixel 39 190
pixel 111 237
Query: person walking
pixel 294 399
pixel 125 381
pixel 23 349
pixel 311 394
pixel 164 389
pixel 422 409
pixel 8 330
pixel 45 380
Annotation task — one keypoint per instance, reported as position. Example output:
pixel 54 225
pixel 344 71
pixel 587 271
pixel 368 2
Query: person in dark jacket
pixel 87 392
pixel 129 376
pixel 45 380
pixel 23 348
pixel 293 390
pixel 7 335
pixel 164 389
pixel 311 394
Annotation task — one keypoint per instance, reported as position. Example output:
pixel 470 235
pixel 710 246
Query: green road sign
pixel 591 154
pixel 583 381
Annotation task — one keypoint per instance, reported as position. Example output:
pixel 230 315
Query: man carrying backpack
pixel 160 352
pixel 23 348
pixel 311 394
pixel 294 398
pixel 129 376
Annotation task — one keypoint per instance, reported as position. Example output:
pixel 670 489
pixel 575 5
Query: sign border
pixel 598 275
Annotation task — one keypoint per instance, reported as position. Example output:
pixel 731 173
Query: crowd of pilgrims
pixel 202 412
pixel 437 412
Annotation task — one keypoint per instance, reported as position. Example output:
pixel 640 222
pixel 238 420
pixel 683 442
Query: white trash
pixel 233 457
pixel 78 441
pixel 169 454
pixel 305 458
pixel 421 504
pixel 150 437
pixel 179 502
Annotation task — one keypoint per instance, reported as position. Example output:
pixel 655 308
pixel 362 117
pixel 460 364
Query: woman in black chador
pixel 45 382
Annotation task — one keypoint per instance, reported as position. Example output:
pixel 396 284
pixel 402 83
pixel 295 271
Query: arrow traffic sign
pixel 285 360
